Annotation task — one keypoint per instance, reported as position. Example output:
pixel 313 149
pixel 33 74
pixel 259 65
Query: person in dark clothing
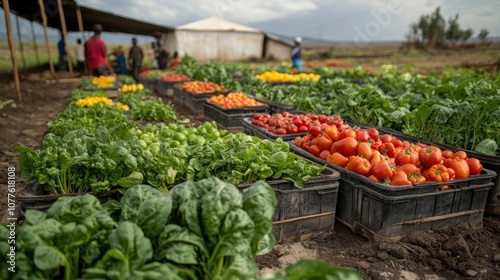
pixel 163 57
pixel 296 54
pixel 61 46
pixel 135 57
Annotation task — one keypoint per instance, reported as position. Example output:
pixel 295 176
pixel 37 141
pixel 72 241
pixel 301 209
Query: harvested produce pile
pixel 234 100
pixel 202 87
pixel 131 88
pixel 385 159
pixel 100 82
pixel 287 123
pixel 273 76
pixel 174 78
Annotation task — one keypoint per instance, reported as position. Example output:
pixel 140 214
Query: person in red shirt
pixel 95 53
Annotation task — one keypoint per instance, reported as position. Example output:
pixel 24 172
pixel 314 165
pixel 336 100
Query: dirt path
pixel 457 253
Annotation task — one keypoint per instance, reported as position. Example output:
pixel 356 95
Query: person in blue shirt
pixel 296 54
pixel 62 54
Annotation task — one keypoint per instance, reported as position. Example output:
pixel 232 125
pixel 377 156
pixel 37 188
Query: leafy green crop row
pixel 201 230
pixel 103 159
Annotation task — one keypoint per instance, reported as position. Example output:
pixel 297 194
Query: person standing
pixel 135 57
pixel 80 56
pixel 62 54
pixel 121 60
pixel 296 54
pixel 163 57
pixel 175 61
pixel 95 53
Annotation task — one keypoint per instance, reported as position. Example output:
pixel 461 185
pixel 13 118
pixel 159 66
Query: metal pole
pixel 65 37
pixel 21 48
pixel 34 43
pixel 44 19
pixel 6 9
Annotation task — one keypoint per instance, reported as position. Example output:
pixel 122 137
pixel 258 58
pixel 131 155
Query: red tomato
pixel 399 179
pixel 365 150
pixel 325 154
pixel 416 178
pixel 460 167
pixel 387 149
pixel 348 133
pixel 332 132
pixel 409 168
pixel 430 156
pixel 315 130
pixel 281 131
pixel 303 129
pixel 324 143
pixel 373 178
pixel 475 166
pixel 359 165
pixel 407 156
pixel 397 143
pixel 447 154
pixel 314 149
pixel 347 146
pixel 362 135
pixel 386 138
pixel 383 170
pixel 339 159
pixel 438 173
pixel 373 132
pixel 461 155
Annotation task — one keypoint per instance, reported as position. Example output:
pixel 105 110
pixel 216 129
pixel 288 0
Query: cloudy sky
pixel 354 20
pixel 326 19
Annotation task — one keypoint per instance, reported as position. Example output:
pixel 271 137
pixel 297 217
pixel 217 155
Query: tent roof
pixel 217 24
pixel 30 10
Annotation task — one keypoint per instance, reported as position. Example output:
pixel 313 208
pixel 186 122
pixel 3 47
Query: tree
pixel 483 37
pixel 453 32
pixel 434 31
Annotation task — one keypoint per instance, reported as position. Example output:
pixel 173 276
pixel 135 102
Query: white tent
pixel 217 39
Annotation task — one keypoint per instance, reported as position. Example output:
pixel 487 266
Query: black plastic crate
pixel 244 110
pixel 262 133
pixel 277 108
pixel 224 119
pixel 307 210
pixel 489 162
pixel 380 212
pixel 36 200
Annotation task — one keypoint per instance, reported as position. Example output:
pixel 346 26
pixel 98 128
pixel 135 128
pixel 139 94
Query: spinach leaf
pixel 147 207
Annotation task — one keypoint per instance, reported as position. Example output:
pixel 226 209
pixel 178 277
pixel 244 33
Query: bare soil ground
pixel 456 253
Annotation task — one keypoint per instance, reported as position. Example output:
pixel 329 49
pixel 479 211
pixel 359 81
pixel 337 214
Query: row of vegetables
pixel 460 109
pixel 207 229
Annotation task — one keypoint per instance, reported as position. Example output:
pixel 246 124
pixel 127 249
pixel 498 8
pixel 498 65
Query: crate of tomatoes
pixel 194 93
pixel 488 161
pixel 287 125
pixel 237 103
pixel 167 82
pixel 390 188
pixel 229 111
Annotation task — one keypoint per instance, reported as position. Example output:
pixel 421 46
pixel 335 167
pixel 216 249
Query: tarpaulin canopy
pixel 29 9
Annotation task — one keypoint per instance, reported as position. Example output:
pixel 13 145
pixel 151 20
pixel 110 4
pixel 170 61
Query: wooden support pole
pixel 80 27
pixel 65 35
pixel 6 9
pixel 80 21
pixel 34 43
pixel 19 36
pixel 44 20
